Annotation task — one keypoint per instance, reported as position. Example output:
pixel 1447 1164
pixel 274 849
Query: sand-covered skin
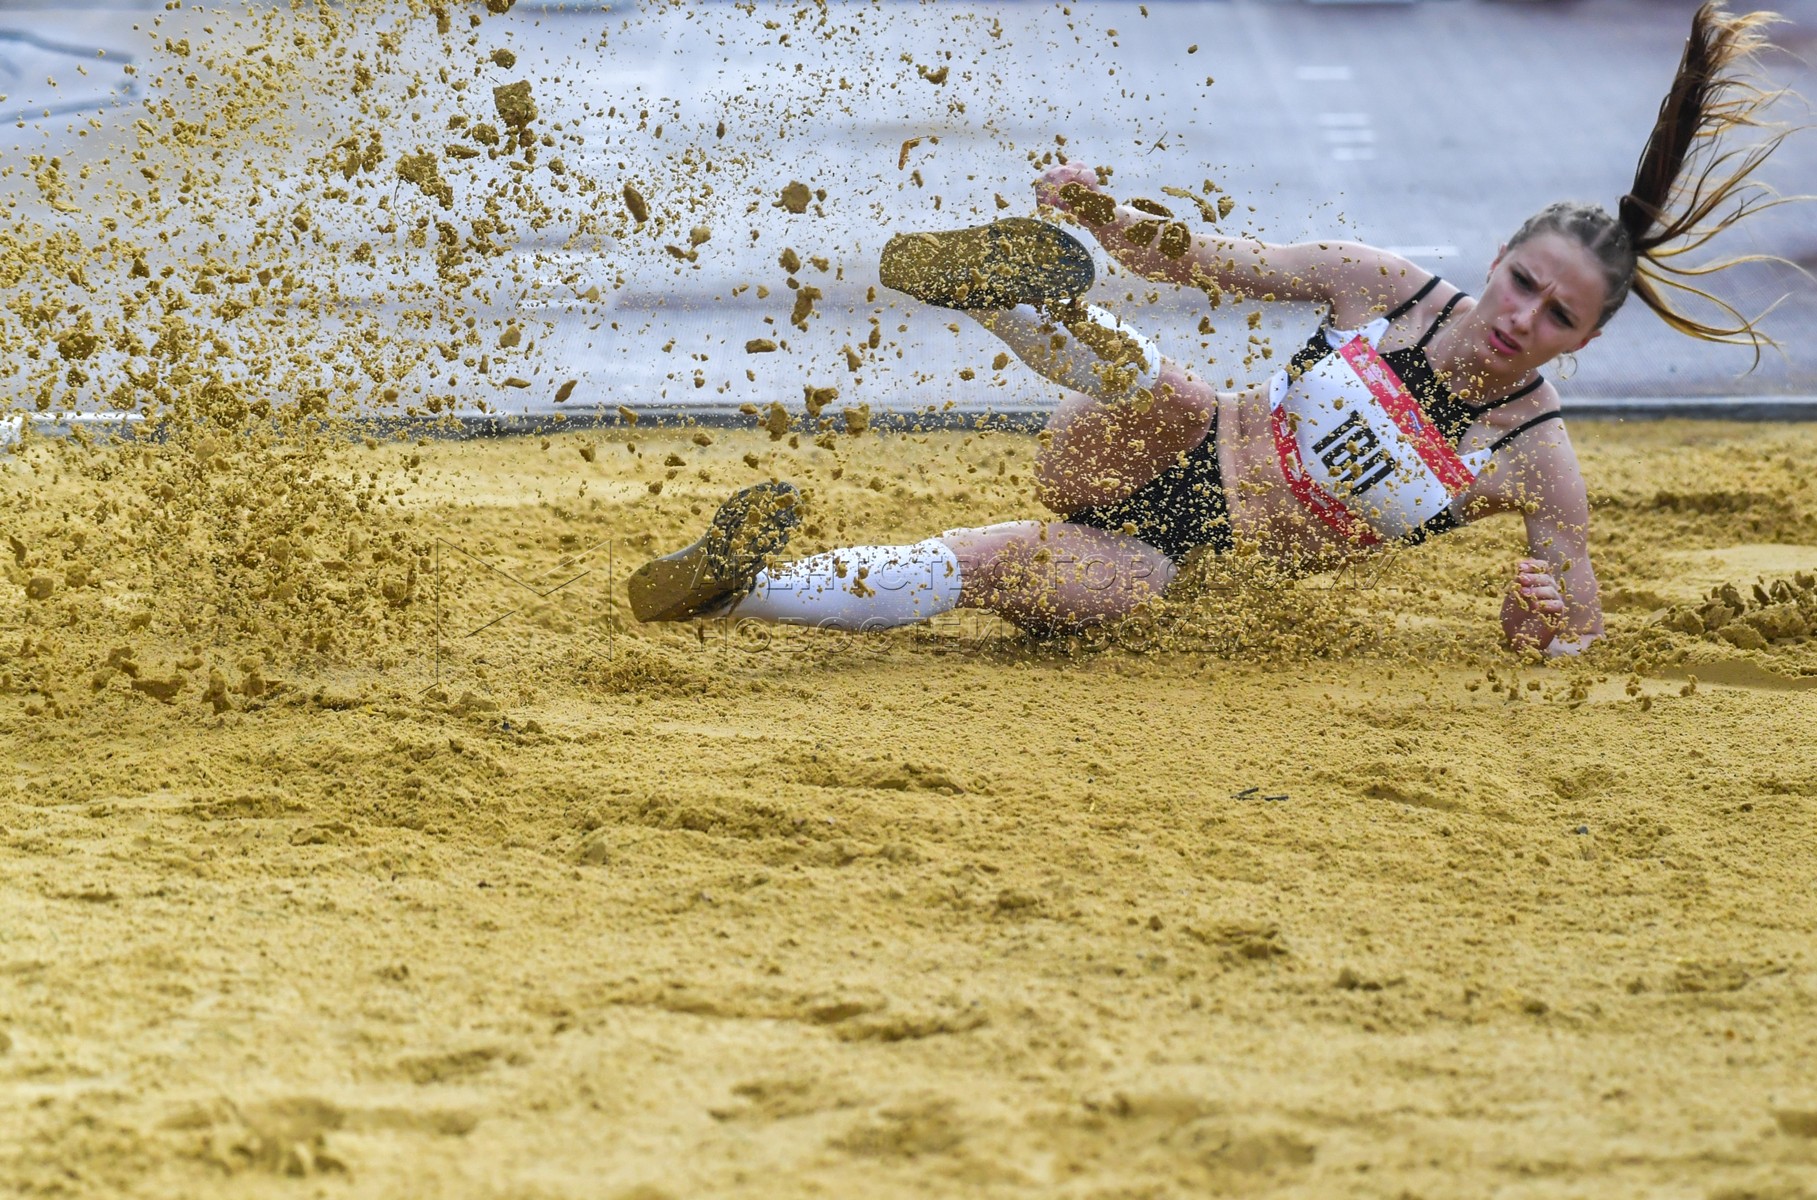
pixel 675 911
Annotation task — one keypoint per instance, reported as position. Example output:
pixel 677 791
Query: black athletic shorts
pixel 1178 510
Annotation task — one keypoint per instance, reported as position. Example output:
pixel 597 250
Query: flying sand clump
pixel 314 216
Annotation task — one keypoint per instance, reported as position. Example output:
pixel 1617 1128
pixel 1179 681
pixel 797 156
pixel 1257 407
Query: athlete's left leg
pixel 1128 412
pixel 1042 575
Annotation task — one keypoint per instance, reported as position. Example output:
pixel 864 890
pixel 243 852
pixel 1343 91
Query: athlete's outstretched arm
pixel 1351 277
pixel 1554 604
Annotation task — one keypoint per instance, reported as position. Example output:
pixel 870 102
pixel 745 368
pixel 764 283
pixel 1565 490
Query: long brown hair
pixel 1689 185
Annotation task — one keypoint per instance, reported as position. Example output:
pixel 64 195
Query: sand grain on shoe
pixel 1017 260
pixel 746 531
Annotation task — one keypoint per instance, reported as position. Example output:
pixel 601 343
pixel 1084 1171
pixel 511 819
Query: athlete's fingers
pixel 1049 184
pixel 1070 172
pixel 1537 589
pixel 1543 599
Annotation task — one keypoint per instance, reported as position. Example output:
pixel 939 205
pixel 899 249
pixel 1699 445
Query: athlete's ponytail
pixel 1688 186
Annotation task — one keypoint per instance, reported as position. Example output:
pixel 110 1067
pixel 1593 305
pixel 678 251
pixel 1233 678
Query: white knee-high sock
pixel 857 588
pixel 1091 352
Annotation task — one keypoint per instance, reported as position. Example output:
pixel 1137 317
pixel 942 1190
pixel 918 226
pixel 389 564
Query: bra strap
pixel 1442 314
pixel 1505 438
pixel 1409 302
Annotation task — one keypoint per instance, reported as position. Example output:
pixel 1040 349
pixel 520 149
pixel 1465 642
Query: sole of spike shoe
pixel 1017 260
pixel 747 530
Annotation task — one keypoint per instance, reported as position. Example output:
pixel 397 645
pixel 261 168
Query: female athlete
pixel 1416 409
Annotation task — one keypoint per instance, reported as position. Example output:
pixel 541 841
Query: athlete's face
pixel 1542 300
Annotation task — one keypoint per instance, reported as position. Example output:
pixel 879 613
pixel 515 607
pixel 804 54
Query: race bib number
pixel 1357 451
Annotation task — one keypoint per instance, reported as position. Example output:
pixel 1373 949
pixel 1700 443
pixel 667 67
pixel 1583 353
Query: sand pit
pixel 354 842
pixel 570 907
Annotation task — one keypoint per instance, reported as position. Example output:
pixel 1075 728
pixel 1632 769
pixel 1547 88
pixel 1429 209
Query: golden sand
pixel 1302 890
pixel 353 841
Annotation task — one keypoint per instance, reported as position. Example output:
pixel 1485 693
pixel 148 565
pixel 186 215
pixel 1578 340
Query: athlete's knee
pixel 1182 393
pixel 1070 473
pixel 1151 574
pixel 1053 483
pixel 985 557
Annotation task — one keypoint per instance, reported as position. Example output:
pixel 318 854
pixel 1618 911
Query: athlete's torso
pixel 1270 506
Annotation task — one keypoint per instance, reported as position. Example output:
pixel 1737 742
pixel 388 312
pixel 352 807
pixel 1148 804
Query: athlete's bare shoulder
pixel 1369 282
pixel 1534 461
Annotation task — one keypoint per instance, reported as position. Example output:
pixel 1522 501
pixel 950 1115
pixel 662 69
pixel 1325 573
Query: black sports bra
pixel 1445 410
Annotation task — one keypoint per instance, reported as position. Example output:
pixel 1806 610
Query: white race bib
pixel 1357 451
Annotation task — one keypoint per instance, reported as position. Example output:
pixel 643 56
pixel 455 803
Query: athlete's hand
pixel 1533 610
pixel 1049 183
pixel 1537 589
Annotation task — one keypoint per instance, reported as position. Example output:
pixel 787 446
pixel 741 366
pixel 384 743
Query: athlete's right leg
pixel 1128 412
pixel 1099 452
